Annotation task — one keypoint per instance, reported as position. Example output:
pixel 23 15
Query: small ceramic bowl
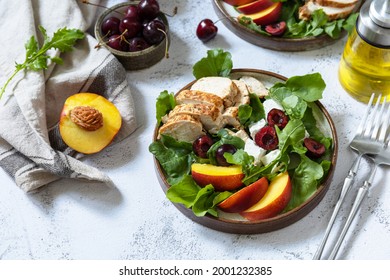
pixel 133 60
pixel 232 223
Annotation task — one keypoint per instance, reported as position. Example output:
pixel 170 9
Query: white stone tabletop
pixel 70 219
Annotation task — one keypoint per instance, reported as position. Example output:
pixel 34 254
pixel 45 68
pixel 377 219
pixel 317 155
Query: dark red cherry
pixel 219 153
pixel 276 29
pixel 129 27
pixel 117 42
pixel 132 12
pixel 201 145
pixel 277 117
pixel 137 44
pixel 148 9
pixel 153 32
pixel 110 26
pixel 266 138
pixel 314 149
pixel 206 30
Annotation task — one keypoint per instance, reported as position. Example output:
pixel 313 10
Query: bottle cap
pixel 373 23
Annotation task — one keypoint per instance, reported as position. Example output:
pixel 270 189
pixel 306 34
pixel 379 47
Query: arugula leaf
pixel 217 63
pixel 250 24
pixel 292 135
pixel 248 114
pixel 184 191
pixel 305 181
pixel 202 200
pixel 165 102
pixel 294 94
pixel 241 158
pixel 36 58
pixel 175 157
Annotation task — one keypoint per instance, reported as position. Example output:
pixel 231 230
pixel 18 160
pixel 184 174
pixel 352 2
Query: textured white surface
pixel 81 220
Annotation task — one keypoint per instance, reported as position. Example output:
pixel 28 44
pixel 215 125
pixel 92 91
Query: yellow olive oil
pixel 364 69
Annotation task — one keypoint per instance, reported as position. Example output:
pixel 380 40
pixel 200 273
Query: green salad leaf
pixel 252 112
pixel 175 157
pixel 165 103
pixel 36 56
pixel 201 200
pixel 217 63
pixel 296 92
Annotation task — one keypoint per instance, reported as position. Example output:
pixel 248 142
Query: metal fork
pixel 359 144
pixel 381 158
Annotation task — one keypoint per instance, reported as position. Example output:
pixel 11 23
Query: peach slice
pixel 255 7
pixel 223 178
pixel 89 122
pixel 273 202
pixel 245 198
pixel 266 16
pixel 238 2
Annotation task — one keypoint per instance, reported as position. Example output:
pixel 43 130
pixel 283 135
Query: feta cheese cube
pixel 242 134
pixel 269 157
pixel 270 104
pixel 255 127
pixel 253 150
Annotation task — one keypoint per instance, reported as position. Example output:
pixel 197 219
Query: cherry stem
pixel 102 6
pixel 166 42
pixel 121 36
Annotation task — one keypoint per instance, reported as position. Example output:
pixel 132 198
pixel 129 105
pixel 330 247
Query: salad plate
pixel 229 14
pixel 235 223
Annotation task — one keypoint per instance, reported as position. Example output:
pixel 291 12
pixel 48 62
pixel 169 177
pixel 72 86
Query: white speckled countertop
pixel 77 220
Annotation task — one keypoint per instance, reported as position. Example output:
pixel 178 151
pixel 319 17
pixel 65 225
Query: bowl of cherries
pixel 136 32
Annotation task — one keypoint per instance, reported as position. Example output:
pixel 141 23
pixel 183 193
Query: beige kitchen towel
pixel 31 149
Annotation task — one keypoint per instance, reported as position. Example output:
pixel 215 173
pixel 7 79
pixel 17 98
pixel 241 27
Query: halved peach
pixel 223 178
pixel 246 197
pixel 273 202
pixel 266 16
pixel 89 122
pixel 255 7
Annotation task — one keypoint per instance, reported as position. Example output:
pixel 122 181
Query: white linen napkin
pixel 31 149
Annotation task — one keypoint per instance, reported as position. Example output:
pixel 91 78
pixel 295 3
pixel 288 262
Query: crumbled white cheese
pixel 271 156
pixel 255 127
pixel 252 149
pixel 270 104
pixel 242 134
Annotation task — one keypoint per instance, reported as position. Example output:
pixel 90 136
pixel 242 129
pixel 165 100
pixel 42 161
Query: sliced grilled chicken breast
pixel 220 86
pixel 242 96
pixel 333 13
pixel 255 86
pixel 183 128
pixel 336 3
pixel 199 97
pixel 230 117
pixel 209 115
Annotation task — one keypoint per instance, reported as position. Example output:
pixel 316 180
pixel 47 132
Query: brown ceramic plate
pixel 233 223
pixel 229 15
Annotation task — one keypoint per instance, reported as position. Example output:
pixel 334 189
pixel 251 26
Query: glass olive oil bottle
pixel 365 65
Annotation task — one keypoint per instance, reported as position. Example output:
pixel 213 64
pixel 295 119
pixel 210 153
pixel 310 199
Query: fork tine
pixel 385 125
pixel 368 127
pixel 363 121
pixel 378 120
